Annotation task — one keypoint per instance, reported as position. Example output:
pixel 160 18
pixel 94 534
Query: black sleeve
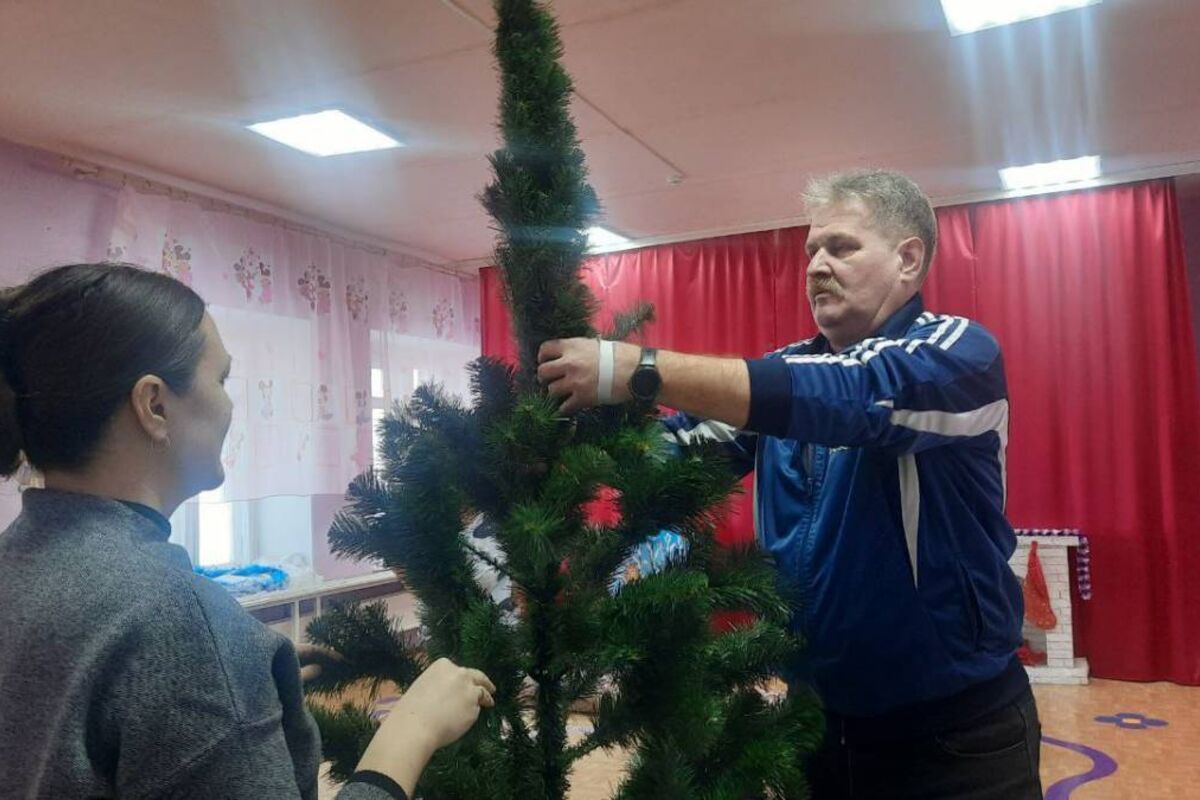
pixel 379 781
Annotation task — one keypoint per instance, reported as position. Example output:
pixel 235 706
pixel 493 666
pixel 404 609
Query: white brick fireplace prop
pixel 1058 643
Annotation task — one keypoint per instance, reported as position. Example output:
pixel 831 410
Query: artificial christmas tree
pixel 684 700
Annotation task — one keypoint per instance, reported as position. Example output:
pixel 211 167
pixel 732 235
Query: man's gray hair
pixel 897 204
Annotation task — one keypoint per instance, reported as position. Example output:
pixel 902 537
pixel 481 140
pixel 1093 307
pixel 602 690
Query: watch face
pixel 645 383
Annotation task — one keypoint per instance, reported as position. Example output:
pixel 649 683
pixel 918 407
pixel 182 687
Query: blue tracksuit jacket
pixel 880 492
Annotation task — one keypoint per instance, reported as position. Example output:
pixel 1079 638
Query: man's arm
pixel 704 386
pixel 938 386
pixel 942 385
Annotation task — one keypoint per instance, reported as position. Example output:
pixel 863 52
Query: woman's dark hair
pixel 73 342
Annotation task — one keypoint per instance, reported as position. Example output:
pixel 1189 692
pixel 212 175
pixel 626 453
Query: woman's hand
pixel 445 700
pixel 311 658
pixel 441 705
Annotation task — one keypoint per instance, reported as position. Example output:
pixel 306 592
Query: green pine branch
pixel 345 734
pixel 540 199
pixel 627 323
pixel 369 647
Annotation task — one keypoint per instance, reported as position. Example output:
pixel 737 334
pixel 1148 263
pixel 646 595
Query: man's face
pixel 855 273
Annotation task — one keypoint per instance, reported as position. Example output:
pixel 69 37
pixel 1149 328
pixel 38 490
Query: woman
pixel 123 674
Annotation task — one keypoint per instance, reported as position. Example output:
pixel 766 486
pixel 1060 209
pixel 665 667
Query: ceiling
pixel 697 116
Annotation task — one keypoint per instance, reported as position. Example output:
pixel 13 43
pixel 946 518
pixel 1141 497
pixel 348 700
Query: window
pixel 380 402
pixel 401 363
pixel 287 526
pixel 215 531
pixel 273 530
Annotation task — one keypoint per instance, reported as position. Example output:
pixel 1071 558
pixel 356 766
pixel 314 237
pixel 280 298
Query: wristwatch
pixel 645 382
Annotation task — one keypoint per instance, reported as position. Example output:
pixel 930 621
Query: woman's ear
pixel 148 398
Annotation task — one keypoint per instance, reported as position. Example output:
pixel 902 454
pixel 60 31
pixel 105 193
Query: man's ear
pixel 148 398
pixel 912 257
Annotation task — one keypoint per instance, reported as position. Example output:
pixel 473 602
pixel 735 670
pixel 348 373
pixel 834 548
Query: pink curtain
pixel 306 317
pixel 46 217
pixel 297 311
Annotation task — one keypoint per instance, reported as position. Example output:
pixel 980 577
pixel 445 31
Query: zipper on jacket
pixel 816 483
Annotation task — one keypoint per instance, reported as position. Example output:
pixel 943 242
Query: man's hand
pixel 705 386
pixel 570 369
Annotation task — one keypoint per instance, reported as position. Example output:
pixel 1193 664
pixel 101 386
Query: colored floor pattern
pixel 1137 760
pixel 1106 741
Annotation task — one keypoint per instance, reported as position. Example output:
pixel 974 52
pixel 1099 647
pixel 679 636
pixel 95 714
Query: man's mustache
pixel 816 287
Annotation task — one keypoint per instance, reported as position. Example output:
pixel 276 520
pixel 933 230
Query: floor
pixel 1105 741
pixel 1124 741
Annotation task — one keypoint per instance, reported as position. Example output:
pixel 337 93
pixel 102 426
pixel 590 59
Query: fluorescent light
pixel 325 133
pixel 968 16
pixel 601 238
pixel 1051 173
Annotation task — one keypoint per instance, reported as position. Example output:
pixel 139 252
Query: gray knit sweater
pixel 125 675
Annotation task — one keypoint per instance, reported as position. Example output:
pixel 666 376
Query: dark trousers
pixel 995 757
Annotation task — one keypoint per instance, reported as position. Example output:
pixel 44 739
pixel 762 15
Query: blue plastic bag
pixel 248 579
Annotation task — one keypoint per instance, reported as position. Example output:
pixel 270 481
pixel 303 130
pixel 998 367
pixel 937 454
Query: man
pixel 878 450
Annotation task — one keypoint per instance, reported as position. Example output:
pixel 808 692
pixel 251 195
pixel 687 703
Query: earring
pixel 162 444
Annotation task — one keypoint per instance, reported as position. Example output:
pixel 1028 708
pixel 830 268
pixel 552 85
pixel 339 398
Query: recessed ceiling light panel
pixel 602 238
pixel 968 16
pixel 325 133
pixel 1051 173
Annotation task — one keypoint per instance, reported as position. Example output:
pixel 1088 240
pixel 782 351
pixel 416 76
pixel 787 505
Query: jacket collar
pixel 53 508
pixel 899 323
pixel 894 327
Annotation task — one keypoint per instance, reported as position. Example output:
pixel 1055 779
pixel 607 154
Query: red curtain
pixel 1087 293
